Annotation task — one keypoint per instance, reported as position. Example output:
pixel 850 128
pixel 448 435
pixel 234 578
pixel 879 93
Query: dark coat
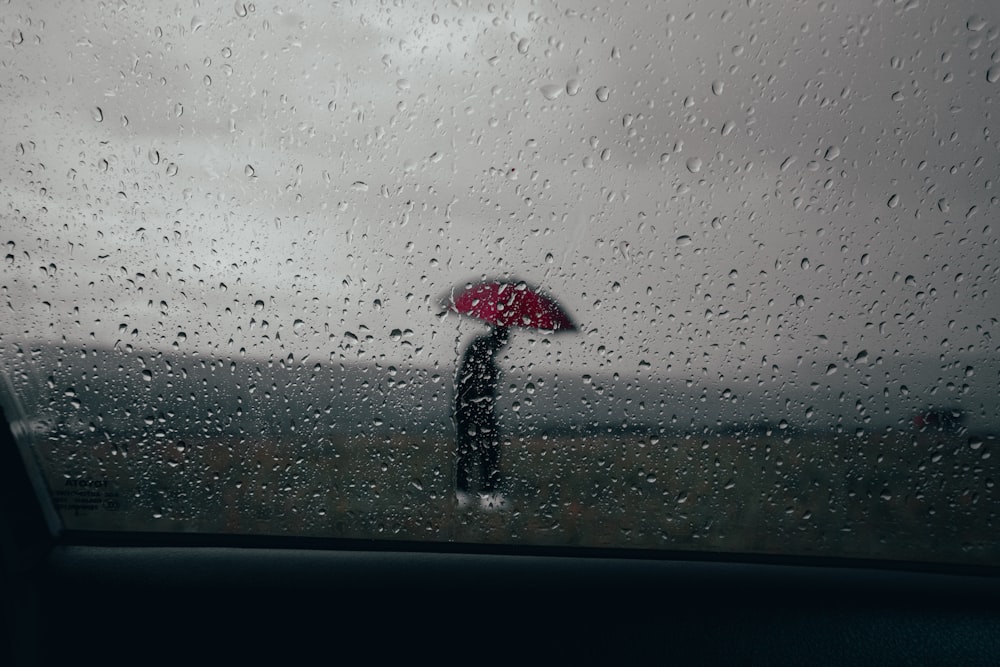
pixel 478 376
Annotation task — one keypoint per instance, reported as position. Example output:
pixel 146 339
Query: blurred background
pixel 228 230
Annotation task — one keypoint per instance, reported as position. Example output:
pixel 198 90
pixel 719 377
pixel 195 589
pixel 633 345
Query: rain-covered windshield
pixel 714 276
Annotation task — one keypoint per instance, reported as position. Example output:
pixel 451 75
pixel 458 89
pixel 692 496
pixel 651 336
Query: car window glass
pixel 742 257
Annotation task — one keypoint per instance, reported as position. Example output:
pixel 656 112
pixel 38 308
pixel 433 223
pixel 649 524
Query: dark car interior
pixel 105 599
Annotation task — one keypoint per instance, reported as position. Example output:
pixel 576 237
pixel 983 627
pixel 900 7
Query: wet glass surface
pixel 235 241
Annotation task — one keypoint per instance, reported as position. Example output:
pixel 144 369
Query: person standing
pixel 476 422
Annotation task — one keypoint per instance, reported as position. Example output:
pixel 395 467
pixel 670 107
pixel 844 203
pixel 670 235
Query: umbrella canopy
pixel 510 303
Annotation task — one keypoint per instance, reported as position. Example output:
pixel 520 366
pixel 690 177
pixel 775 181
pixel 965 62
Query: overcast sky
pixel 713 189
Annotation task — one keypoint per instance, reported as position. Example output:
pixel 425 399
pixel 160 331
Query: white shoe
pixel 493 502
pixel 464 500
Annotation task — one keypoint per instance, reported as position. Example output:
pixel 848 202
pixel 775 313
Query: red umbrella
pixel 510 303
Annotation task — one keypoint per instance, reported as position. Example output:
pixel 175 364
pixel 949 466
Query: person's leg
pixel 490 458
pixel 464 459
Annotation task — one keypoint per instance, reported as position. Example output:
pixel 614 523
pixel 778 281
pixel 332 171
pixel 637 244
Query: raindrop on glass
pixel 551 91
pixel 975 23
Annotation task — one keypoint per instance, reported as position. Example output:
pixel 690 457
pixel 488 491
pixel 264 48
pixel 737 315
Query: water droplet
pixel 684 240
pixel 831 369
pixel 522 45
pixel 603 93
pixel 147 375
pixel 178 110
pixel 549 258
pixel 572 87
pixel 97 114
pixel 804 263
pixel 993 74
pixel 942 205
pixel 240 8
pixel 832 153
pixel 975 23
pixel 727 128
pixel 717 86
pixel 248 171
pixel 788 162
pixel 258 304
pixel 893 201
pixel 17 37
pixel 551 91
pixel 403 84
pixel 359 186
pixel 800 301
pixel 171 169
pixel 154 156
pixel 693 164
pixel 297 326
